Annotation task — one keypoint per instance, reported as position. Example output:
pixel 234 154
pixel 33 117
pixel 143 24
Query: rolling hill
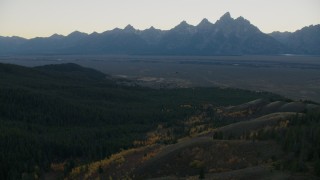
pixel 69 122
pixel 258 148
pixel 68 114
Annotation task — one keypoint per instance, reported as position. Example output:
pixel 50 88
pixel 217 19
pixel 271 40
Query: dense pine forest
pixel 74 115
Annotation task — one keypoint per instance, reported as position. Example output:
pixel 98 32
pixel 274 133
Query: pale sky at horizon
pixel 42 18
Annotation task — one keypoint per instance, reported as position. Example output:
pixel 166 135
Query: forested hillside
pixel 61 116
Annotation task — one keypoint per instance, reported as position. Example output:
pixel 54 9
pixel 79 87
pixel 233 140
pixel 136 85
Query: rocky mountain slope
pixel 227 36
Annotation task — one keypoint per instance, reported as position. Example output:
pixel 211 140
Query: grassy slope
pixel 240 128
pixel 220 159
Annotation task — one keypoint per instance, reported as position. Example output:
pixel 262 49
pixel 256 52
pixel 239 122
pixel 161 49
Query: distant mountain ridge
pixel 227 36
pixel 303 41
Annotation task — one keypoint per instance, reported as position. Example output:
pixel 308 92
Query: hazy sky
pixel 30 18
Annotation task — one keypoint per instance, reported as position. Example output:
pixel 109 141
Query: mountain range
pixel 227 36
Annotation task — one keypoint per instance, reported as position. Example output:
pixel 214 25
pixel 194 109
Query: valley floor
pixel 296 77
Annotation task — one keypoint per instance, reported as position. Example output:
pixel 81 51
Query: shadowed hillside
pixel 277 146
pixel 54 118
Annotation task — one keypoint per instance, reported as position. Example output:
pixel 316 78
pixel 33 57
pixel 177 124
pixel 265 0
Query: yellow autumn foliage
pixel 118 158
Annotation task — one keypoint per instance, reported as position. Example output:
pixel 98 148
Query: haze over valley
pixel 296 77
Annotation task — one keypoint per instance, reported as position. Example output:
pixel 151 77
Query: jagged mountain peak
pixel 225 20
pixel 242 20
pixel 129 27
pixel 184 23
pixel 226 36
pixel 226 17
pixel 152 28
pixel 94 34
pixel 183 26
pixel 204 22
pixel 239 25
